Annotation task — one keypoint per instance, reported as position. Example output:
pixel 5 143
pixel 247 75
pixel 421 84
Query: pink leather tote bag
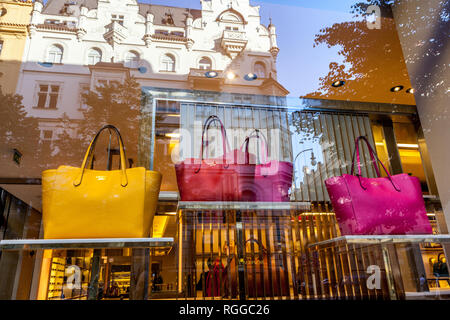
pixel 272 178
pixel 391 205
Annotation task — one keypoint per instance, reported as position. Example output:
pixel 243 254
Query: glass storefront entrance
pixel 223 150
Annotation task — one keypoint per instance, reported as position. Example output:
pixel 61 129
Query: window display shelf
pixel 382 250
pixel 206 205
pixel 384 239
pixel 33 244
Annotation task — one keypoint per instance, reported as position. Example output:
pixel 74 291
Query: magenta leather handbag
pixel 272 178
pixel 391 205
pixel 217 179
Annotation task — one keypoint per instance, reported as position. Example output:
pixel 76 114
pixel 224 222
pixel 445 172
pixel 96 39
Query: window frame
pixel 205 66
pixel 89 55
pixel 165 63
pixel 50 97
pixel 258 72
pixel 132 63
pixel 60 54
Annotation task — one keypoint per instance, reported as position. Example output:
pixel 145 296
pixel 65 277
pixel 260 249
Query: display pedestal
pixel 372 266
pixel 140 255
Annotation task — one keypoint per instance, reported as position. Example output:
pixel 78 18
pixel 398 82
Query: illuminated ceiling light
pixel 231 75
pixel 397 88
pixel 171 213
pixel 411 90
pixel 408 145
pixel 211 74
pixel 338 83
pixel 173 135
pixel 175 115
pixel 250 77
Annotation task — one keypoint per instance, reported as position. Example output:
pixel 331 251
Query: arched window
pixel 168 63
pixel 260 70
pixel 94 56
pixel 205 63
pixel 55 54
pixel 132 60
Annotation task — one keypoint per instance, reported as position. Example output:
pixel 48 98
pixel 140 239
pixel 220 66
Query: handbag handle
pixel 260 136
pixel 90 152
pixel 264 250
pixel 374 160
pixel 225 142
pixel 206 127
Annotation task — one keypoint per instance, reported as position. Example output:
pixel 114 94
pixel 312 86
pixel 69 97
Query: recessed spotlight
pixel 338 83
pixel 211 74
pixel 231 75
pixel 397 88
pixel 250 77
pixel 411 90
pixel 173 135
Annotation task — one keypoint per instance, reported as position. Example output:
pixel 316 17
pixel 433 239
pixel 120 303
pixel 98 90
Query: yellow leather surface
pixel 100 207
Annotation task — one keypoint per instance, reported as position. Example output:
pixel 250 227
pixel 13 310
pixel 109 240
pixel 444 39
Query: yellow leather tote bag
pixel 83 203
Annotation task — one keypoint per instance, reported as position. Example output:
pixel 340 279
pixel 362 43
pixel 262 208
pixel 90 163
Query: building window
pixel 168 63
pixel 47 135
pixel 94 56
pixel 163 32
pixel 48 96
pixel 55 54
pixel 177 33
pixel 84 89
pixel 260 70
pixel 132 60
pixel 205 64
pixel 118 18
pixel 1 46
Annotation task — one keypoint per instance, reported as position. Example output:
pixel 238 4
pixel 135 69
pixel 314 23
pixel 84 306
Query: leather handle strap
pixel 206 127
pixel 225 143
pixel 90 152
pixel 358 160
pixel 257 242
pixel 374 160
pixel 260 136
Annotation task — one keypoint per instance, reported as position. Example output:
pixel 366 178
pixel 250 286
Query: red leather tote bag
pixel 216 179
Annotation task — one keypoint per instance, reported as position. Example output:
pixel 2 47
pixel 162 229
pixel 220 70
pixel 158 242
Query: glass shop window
pixel 1 46
pixel 408 150
pixel 167 142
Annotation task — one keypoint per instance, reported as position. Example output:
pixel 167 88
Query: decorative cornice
pixel 171 38
pixel 56 27
pixel 13 27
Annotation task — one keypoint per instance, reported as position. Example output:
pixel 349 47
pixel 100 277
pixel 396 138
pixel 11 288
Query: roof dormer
pixel 231 16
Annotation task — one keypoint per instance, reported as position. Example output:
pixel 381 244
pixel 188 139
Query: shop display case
pixel 372 267
pixel 77 269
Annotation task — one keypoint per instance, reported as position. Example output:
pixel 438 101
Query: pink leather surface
pixel 378 206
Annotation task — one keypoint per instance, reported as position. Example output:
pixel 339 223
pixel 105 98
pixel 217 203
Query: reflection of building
pixel 70 45
pixel 14 21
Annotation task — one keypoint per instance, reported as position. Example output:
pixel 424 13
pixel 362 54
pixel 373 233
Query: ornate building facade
pixel 14 21
pixel 73 47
